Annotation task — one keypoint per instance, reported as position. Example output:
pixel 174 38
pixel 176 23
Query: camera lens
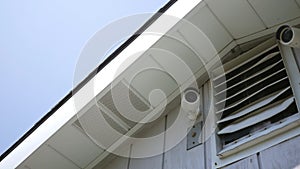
pixel 191 96
pixel 287 35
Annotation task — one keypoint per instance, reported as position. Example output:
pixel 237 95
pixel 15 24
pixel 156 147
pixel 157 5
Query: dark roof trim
pixel 89 77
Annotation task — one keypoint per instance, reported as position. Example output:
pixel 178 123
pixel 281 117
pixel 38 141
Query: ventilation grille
pixel 255 96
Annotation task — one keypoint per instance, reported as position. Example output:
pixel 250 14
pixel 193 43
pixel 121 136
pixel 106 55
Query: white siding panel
pixel 149 150
pixel 238 16
pixel 282 156
pixel 179 157
pixel 274 12
pixel 247 163
pixel 116 163
pixel 146 163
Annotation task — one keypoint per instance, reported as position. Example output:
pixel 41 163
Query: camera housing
pixel 289 36
pixel 190 103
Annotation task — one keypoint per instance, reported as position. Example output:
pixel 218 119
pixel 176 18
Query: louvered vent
pixel 255 97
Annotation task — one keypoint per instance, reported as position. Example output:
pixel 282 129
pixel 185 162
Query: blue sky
pixel 40 42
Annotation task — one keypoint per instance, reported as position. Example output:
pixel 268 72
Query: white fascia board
pixel 103 78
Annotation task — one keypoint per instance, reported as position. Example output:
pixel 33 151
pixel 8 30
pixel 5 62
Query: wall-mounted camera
pixel 191 103
pixel 289 36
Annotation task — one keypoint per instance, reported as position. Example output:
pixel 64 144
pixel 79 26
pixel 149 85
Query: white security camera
pixel 191 103
pixel 289 36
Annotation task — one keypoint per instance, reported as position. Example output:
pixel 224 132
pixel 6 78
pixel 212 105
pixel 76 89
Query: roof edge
pixel 89 77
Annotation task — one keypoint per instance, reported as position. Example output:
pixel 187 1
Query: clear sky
pixel 40 42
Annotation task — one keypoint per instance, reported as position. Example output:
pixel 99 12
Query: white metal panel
pixel 274 12
pixel 47 158
pixel 116 163
pixel 148 151
pixel 177 155
pixel 215 35
pixel 75 145
pixel 238 17
pixel 145 145
pixel 281 156
pixel 247 163
pixel 146 163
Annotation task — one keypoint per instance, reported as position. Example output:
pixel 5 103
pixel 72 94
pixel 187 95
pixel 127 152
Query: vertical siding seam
pixel 258 156
pixel 221 23
pixel 129 158
pixel 164 144
pixel 297 4
pixel 256 13
pixel 203 133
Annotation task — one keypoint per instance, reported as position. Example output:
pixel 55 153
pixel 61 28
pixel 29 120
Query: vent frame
pixel 225 150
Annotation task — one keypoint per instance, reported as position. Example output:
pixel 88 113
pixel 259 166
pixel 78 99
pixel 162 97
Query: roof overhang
pixel 212 17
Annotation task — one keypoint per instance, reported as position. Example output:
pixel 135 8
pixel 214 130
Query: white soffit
pixel 180 47
pixel 75 145
pixel 274 12
pixel 206 22
pixel 98 83
pixel 237 16
pixel 48 158
pixel 147 74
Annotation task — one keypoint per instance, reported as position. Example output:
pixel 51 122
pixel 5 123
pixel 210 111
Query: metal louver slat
pixel 260 116
pixel 260 82
pixel 231 66
pixel 257 63
pixel 250 77
pixel 253 94
pixel 261 103
pixel 259 136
